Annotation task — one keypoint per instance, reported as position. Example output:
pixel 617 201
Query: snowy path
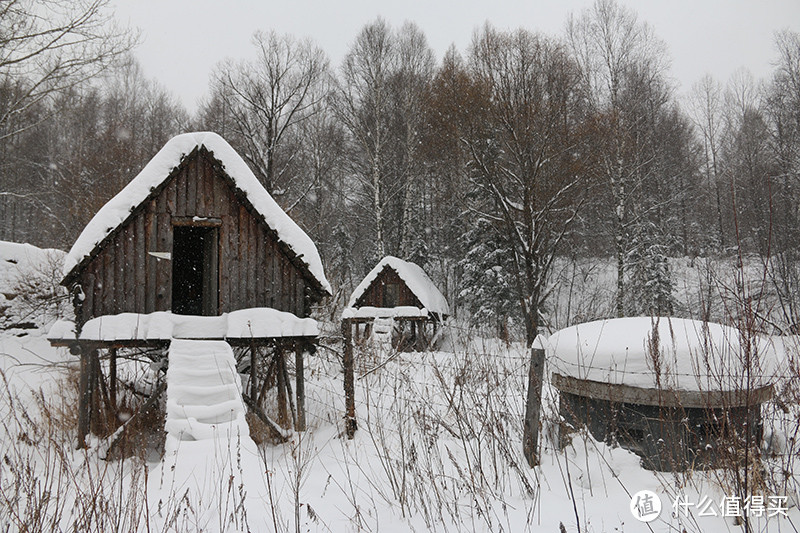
pixel 209 455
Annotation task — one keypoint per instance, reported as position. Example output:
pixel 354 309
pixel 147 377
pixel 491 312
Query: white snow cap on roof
pixel 693 355
pixel 117 210
pixel 416 279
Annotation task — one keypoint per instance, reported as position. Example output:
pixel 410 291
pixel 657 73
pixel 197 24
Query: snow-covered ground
pixel 439 448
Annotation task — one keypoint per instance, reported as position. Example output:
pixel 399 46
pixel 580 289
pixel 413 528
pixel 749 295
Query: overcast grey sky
pixel 183 39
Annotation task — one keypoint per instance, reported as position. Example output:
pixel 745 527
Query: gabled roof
pixel 414 277
pixel 119 209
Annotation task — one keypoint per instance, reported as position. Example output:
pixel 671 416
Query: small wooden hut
pixel 193 247
pixel 674 391
pixel 397 299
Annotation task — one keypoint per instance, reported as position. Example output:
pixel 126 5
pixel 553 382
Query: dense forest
pixel 485 166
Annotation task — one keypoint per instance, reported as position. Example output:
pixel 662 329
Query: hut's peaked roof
pixel 119 208
pixel 414 277
pixel 692 355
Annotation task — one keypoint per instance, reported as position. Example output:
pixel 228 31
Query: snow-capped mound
pixel 29 289
pixel 673 353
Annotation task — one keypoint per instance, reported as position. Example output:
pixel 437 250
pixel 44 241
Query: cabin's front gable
pixel 195 246
pixel 388 290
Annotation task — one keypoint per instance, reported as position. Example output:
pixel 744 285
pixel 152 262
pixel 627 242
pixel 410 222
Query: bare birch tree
pixel 617 54
pixel 363 105
pixel 266 99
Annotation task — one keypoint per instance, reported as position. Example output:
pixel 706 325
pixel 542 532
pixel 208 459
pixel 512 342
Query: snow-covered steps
pixel 209 458
pixel 382 329
pixel 204 392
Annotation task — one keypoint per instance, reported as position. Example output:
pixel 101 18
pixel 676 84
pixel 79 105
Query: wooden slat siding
pixel 373 296
pixel 252 266
pixel 230 268
pixel 276 277
pixel 261 266
pixel 151 242
pixel 299 294
pixel 107 294
pixel 189 175
pixel 286 304
pixel 241 224
pixel 269 277
pixel 292 290
pixel 178 186
pixel 89 288
pixel 124 272
pixel 209 182
pixel 196 175
pixel 163 266
pixel 139 262
pixel 171 192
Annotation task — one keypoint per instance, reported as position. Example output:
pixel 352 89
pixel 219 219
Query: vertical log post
pixel 112 385
pixel 94 391
pixel 300 387
pixel 533 406
pixel 280 374
pixel 253 371
pixel 84 401
pixel 349 381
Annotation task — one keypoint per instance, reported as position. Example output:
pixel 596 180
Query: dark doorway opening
pixel 195 271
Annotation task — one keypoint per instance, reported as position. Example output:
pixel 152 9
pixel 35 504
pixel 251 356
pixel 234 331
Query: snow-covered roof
pixel 260 322
pixel 414 277
pixel 119 208
pixel 693 355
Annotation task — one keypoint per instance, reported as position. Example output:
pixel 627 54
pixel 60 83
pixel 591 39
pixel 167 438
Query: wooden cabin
pixel 400 295
pixel 193 234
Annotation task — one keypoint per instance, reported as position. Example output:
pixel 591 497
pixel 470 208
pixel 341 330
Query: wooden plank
pixel 125 281
pixel 277 259
pixel 178 185
pixel 260 264
pixel 230 268
pixel 203 183
pixel 139 263
pixel 163 266
pixel 221 191
pixel 171 194
pixel 89 289
pixel 252 271
pixel 664 398
pixel 244 248
pixel 107 297
pixel 190 173
pixel 151 245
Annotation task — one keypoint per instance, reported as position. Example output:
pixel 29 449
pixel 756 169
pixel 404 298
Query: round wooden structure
pixel 679 393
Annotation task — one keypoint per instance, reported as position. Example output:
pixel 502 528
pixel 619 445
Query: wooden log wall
pixel 253 269
pixel 375 295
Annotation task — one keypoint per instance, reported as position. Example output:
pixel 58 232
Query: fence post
pixel 533 406
pixel 349 380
